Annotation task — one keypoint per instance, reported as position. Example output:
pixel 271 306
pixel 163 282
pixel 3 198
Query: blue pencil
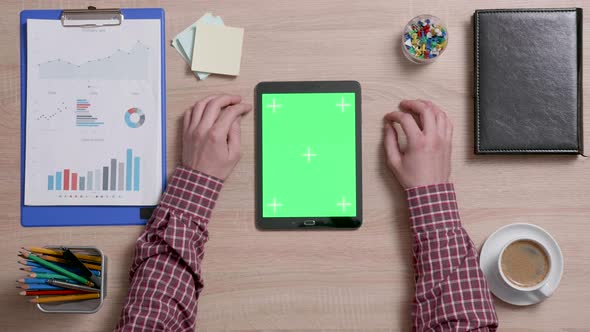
pixel 34 267
pixel 38 287
pixel 29 263
pixel 33 281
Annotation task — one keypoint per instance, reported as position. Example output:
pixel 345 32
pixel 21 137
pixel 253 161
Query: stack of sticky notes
pixel 210 47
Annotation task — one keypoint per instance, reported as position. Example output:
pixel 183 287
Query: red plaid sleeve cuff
pixel 433 207
pixel 191 192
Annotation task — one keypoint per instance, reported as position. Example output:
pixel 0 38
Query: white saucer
pixel 488 260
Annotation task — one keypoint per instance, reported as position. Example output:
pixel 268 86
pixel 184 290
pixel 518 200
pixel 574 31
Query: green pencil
pixel 57 269
pixel 48 276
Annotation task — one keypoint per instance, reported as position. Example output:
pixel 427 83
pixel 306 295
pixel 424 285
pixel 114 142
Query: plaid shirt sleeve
pixel 165 277
pixel 451 291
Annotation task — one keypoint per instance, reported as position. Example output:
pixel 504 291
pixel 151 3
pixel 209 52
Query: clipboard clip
pixel 91 17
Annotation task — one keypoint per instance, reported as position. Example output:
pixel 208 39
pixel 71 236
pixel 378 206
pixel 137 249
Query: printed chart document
pixel 94 117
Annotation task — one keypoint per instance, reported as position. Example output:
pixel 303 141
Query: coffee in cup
pixel 525 263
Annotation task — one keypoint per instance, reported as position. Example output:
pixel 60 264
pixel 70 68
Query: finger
pixel 391 144
pixel 228 117
pixel 449 139
pixel 441 124
pixel 186 121
pixel 409 125
pixel 425 101
pixel 435 109
pixel 197 111
pixel 428 103
pixel 214 107
pixel 422 108
pixel 234 139
pixel 449 132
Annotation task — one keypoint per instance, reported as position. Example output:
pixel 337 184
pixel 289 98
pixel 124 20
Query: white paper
pixel 83 84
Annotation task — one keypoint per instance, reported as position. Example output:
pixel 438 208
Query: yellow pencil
pixel 65 298
pixel 61 260
pixel 46 251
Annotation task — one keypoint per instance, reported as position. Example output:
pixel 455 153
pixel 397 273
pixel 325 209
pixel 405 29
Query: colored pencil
pixel 57 269
pixel 52 292
pixel 29 281
pixel 38 287
pixel 63 261
pixel 46 251
pixel 36 269
pixel 44 270
pixel 63 284
pixel 26 262
pixel 65 298
pixel 65 266
pixel 48 276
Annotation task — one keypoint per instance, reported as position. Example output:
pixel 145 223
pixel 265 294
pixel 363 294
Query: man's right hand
pixel 211 135
pixel 427 157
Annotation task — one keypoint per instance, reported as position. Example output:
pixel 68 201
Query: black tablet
pixel 308 155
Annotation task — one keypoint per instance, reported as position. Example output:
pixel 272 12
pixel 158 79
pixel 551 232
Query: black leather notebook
pixel 528 81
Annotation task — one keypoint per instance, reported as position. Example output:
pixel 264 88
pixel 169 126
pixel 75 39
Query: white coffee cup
pixel 542 288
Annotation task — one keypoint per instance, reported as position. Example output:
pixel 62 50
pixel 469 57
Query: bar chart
pixel 83 116
pixel 114 175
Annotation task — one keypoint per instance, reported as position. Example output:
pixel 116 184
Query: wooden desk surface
pixel 357 280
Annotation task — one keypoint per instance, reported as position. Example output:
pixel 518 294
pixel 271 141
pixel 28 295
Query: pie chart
pixel 134 117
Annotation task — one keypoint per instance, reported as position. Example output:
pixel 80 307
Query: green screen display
pixel 308 155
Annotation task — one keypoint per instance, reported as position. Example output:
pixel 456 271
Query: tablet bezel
pixel 308 222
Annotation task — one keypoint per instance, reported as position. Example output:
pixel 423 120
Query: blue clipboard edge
pixel 45 216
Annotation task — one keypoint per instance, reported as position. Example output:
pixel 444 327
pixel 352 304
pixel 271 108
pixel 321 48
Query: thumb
pixel 234 139
pixel 391 145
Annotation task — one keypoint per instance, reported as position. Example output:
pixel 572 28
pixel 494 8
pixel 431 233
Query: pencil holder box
pixel 85 306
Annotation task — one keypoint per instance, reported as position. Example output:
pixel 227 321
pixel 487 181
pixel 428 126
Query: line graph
pixel 121 65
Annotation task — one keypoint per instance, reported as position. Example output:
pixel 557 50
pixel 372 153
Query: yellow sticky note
pixel 218 49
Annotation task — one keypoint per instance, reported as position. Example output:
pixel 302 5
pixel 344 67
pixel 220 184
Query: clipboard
pixel 41 216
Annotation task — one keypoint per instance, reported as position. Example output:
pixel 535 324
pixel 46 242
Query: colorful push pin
pixel 425 38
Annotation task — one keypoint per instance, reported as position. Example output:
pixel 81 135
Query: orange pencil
pixel 59 253
pixel 65 298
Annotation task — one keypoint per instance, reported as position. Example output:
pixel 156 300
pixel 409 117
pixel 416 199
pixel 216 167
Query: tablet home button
pixel 309 222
